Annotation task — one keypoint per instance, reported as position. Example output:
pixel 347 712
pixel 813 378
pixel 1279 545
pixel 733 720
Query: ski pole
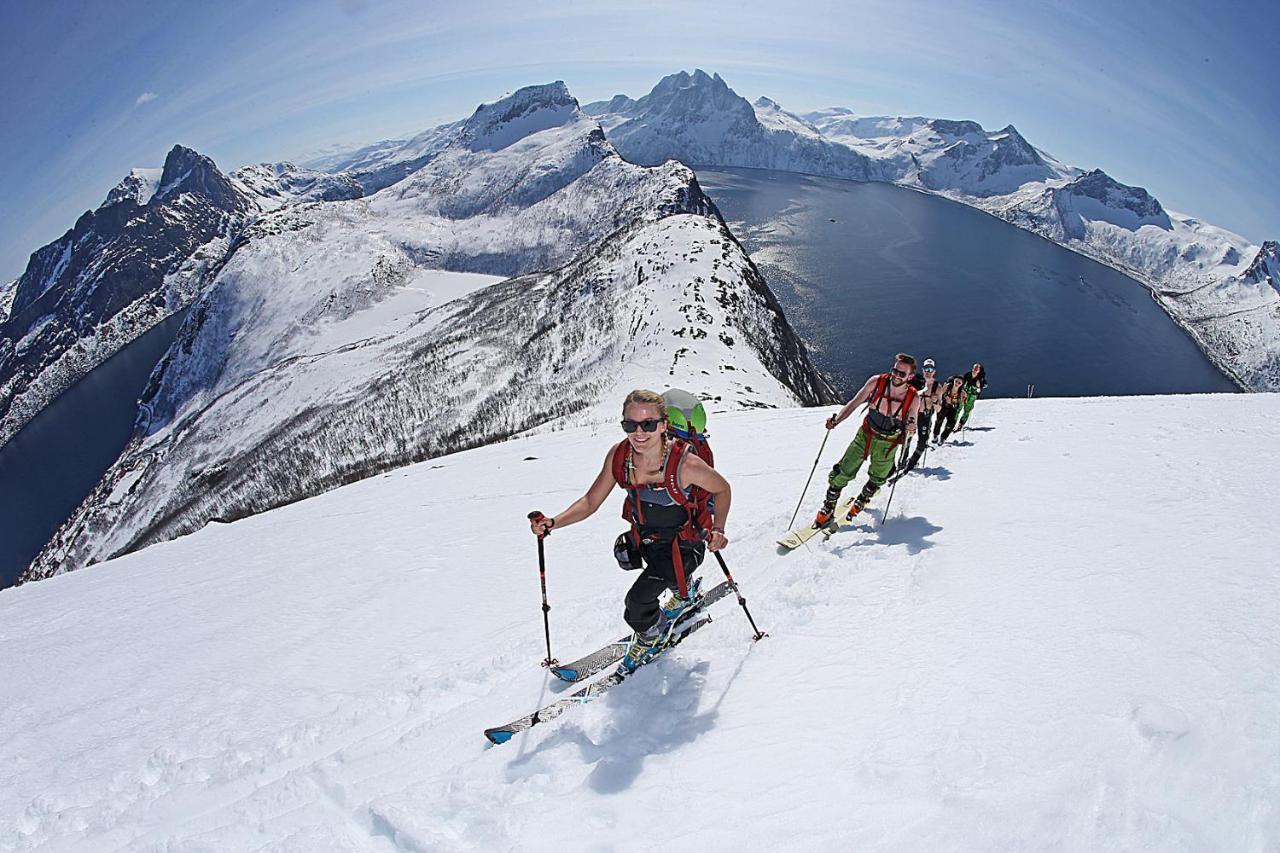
pixel 733 585
pixel 893 487
pixel 810 480
pixel 542 577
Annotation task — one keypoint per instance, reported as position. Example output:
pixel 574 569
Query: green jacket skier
pixel 975 381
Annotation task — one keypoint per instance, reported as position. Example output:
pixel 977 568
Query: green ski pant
pixel 968 407
pixel 881 456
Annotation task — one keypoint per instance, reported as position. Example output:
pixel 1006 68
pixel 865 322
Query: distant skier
pixel 930 400
pixel 660 473
pixel 892 413
pixel 975 382
pixel 948 407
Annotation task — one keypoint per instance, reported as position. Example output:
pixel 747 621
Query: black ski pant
pixel 947 416
pixel 922 440
pixel 657 576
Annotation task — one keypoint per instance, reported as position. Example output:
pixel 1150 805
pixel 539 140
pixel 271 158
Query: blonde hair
pixel 646 397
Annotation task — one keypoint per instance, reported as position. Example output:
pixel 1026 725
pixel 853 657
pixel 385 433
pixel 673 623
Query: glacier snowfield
pixel 1065 636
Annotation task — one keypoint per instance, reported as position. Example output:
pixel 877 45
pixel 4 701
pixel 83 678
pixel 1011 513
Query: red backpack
pixel 697 503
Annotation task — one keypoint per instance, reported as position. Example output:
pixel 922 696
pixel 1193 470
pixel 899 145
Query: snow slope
pixel 1063 638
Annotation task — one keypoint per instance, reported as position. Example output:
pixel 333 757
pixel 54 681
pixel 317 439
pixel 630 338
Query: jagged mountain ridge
pixel 310 362
pixel 123 268
pixel 145 254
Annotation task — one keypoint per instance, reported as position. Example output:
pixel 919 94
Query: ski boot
pixel 828 511
pixel 863 498
pixel 674 606
pixel 645 645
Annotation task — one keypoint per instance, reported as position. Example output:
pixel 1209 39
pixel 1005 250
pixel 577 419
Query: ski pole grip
pixel 536 517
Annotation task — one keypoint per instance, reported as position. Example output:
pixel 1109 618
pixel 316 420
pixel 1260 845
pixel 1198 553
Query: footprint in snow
pixel 1159 722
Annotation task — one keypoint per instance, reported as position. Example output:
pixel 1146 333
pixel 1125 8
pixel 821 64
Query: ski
pixel 502 734
pixel 589 665
pixel 840 522
pixel 796 538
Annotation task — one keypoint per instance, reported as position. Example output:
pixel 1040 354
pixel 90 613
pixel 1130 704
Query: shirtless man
pixel 894 407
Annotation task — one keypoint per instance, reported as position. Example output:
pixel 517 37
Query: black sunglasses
pixel 649 425
pixel 902 374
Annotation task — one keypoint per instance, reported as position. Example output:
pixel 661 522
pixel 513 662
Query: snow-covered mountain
pixel 1199 274
pixel 697 119
pixel 1215 284
pixel 939 154
pixel 345 338
pixel 990 669
pixel 381 164
pixel 273 185
pixel 144 254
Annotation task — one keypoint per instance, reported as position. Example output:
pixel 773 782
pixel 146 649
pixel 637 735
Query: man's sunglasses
pixel 649 425
pixel 901 374
pixel 930 369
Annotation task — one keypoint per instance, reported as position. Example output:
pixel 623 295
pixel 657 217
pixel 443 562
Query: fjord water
pixel 54 461
pixel 899 270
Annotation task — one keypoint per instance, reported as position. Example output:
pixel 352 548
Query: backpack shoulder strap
pixel 619 464
pixel 882 382
pixel 671 474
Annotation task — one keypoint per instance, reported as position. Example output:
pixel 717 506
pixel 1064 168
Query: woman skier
pixel 669 525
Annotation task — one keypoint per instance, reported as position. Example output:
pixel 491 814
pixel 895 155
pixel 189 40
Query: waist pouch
pixel 627 553
pixel 886 425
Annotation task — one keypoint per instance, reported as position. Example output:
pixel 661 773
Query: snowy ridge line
pixel 997 679
pixel 265 399
pixel 280 467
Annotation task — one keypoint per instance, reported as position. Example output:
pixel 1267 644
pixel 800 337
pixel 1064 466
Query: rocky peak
pixel 526 111
pixel 694 97
pixel 1100 186
pixel 1014 148
pixel 1266 266
pixel 620 103
pixel 137 187
pixel 956 128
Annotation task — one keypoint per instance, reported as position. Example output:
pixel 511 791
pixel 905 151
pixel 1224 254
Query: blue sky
pixel 1182 98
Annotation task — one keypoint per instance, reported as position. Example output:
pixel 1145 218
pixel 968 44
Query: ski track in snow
pixel 1064 637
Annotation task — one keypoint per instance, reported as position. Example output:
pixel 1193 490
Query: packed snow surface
pixel 1065 636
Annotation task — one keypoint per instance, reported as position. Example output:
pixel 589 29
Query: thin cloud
pixel 145 98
